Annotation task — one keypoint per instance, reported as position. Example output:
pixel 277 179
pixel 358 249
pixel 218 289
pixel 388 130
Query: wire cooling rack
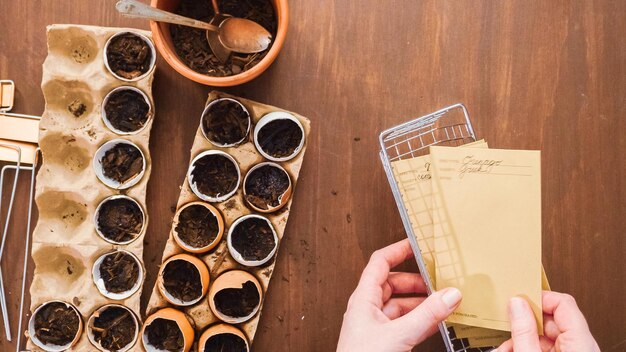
pixel 449 126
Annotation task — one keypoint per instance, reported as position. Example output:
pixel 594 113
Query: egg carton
pixel 65 242
pixel 219 260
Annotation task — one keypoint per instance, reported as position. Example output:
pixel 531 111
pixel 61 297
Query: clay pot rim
pixel 226 329
pixel 275 116
pixel 193 186
pixel 108 123
pixel 206 110
pixel 281 9
pixel 99 170
pixel 39 343
pixel 235 320
pixel 92 338
pixel 282 200
pixel 166 314
pixel 195 262
pixel 236 255
pixel 113 197
pixel 218 237
pixel 152 58
pixel 95 277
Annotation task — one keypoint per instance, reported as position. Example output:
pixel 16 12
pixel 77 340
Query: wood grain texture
pixel 547 75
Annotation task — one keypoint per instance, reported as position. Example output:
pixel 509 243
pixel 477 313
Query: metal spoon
pixel 237 34
pixel 219 50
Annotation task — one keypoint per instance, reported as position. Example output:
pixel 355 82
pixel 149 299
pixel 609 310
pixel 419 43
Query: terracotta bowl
pixel 163 40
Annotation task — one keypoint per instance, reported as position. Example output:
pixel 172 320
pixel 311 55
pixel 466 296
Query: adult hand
pixel 376 321
pixel 564 326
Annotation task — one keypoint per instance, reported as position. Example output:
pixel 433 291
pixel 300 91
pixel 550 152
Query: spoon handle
pixel 136 9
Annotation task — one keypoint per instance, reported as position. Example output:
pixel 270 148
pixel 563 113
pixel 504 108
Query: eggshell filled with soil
pixel 119 219
pixel 113 327
pixel 225 122
pixel 235 296
pixel 183 280
pixel 119 164
pixel 214 176
pixel 223 337
pixel 167 330
pixel 198 227
pixel 279 136
pixel 252 240
pixel 118 274
pixel 55 326
pixel 129 56
pixel 126 110
pixel 267 187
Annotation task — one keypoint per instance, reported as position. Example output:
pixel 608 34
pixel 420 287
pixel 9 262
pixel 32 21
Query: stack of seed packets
pixel 476 213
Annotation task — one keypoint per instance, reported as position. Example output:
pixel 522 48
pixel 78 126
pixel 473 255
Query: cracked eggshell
pixel 104 113
pixel 275 116
pixel 97 165
pixel 195 189
pixel 204 279
pixel 234 279
pixel 99 282
pixel 218 330
pixel 97 313
pixel 204 115
pixel 282 200
pixel 152 58
pixel 97 215
pixel 237 256
pixel 216 241
pixel 54 348
pixel 176 316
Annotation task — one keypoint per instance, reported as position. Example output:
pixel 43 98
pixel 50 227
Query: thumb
pixel 523 326
pixel 417 325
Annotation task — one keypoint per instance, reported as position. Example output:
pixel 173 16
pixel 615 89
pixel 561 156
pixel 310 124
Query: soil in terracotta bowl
pixel 120 220
pixel 119 271
pixel 127 110
pixel 191 44
pixel 226 122
pixel 197 226
pixel 215 175
pixel 265 185
pixel 280 138
pixel 225 343
pixel 182 280
pixel 122 162
pixel 238 302
pixel 129 56
pixel 114 329
pixel 253 239
pixel 56 324
pixel 165 334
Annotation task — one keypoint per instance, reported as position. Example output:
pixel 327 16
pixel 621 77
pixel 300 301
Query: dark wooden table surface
pixel 548 75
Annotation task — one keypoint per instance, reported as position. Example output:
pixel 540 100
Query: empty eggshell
pixel 282 199
pixel 204 279
pixel 99 282
pixel 218 238
pixel 220 329
pixel 233 279
pixel 53 348
pixel 176 316
pixel 97 313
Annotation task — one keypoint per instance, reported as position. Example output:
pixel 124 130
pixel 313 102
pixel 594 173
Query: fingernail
pixel 517 307
pixel 451 297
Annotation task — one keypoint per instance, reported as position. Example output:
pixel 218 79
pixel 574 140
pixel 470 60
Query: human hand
pixel 564 326
pixel 376 321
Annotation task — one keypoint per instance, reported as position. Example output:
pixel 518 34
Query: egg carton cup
pixel 75 83
pixel 219 259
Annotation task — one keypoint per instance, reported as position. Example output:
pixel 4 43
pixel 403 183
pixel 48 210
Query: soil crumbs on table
pixel 253 239
pixel 119 271
pixel 265 185
pixel 182 280
pixel 226 122
pixel 127 110
pixel 238 302
pixel 56 324
pixel 122 162
pixel 129 56
pixel 280 138
pixel 225 343
pixel 165 334
pixel 114 328
pixel 120 220
pixel 214 175
pixel 191 44
pixel 197 226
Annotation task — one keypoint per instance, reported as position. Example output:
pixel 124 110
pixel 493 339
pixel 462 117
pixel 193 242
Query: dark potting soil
pixel 225 343
pixel 182 280
pixel 56 324
pixel 165 334
pixel 191 44
pixel 215 175
pixel 280 138
pixel 120 220
pixel 253 239
pixel 265 185
pixel 127 110
pixel 119 271
pixel 129 56
pixel 122 162
pixel 114 329
pixel 238 302
pixel 197 226
pixel 226 122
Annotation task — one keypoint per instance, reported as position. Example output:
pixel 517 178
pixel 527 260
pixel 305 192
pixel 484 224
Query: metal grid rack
pixel 449 126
